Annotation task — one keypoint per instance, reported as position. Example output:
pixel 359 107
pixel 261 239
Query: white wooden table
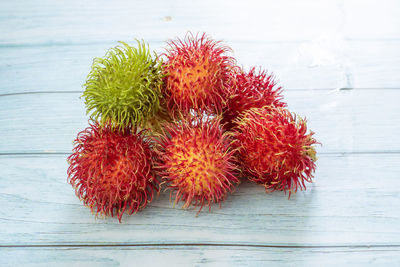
pixel 339 62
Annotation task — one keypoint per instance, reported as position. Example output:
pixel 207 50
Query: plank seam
pixel 287 89
pixel 198 245
pixel 42 92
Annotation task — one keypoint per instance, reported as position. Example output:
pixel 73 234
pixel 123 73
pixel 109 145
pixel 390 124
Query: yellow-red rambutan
pixel 196 161
pixel 275 149
pixel 197 74
pixel 112 170
pixel 252 89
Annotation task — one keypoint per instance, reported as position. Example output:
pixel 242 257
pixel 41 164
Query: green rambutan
pixel 196 161
pixel 197 75
pixel 112 170
pixel 252 89
pixel 124 87
pixel 275 149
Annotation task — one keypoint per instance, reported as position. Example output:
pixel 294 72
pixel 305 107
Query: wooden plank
pixel 354 201
pixel 198 256
pixel 363 69
pixel 31 69
pixel 367 19
pixel 344 121
pixel 44 22
pixel 47 46
pixel 314 64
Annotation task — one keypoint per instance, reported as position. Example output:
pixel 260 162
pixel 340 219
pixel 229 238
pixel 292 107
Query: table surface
pixel 339 62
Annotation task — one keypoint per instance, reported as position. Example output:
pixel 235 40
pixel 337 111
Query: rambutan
pixel 112 170
pixel 197 74
pixel 252 89
pixel 124 87
pixel 275 149
pixel 196 161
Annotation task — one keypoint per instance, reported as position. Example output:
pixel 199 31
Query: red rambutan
pixel 197 74
pixel 112 170
pixel 250 90
pixel 275 149
pixel 196 161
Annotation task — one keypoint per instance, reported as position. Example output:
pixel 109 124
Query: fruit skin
pixel 250 89
pixel 124 87
pixel 112 171
pixel 275 149
pixel 197 74
pixel 196 161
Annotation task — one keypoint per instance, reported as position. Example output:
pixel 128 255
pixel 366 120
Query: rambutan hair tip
pixel 195 161
pixel 112 172
pixel 250 89
pixel 124 86
pixel 288 151
pixel 197 69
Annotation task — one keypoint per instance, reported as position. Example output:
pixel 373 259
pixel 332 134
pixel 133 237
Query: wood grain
pixel 64 22
pixel 354 201
pixel 324 63
pixel 349 216
pixel 348 121
pixel 197 256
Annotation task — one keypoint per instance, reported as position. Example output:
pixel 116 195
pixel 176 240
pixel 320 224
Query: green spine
pixel 124 87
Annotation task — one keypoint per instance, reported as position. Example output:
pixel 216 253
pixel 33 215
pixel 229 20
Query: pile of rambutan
pixel 190 120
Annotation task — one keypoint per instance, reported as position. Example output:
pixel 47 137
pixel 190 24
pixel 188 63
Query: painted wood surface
pixel 320 63
pixel 66 21
pixel 198 256
pixel 354 201
pixel 339 62
pixel 344 120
